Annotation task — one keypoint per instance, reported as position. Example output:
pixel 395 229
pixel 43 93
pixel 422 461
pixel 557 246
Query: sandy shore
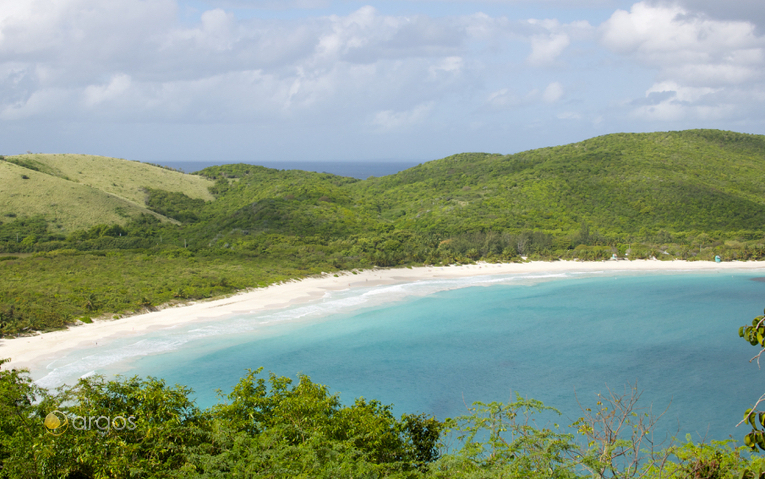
pixel 31 352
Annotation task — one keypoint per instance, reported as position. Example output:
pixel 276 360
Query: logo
pixel 56 423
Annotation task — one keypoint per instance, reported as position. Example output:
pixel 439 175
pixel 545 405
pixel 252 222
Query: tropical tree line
pixel 52 280
pixel 279 428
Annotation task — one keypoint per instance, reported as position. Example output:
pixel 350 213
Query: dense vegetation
pixel 690 195
pixel 628 186
pixel 132 427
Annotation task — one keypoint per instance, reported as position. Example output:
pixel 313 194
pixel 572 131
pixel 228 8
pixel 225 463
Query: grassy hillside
pixel 79 191
pixel 622 185
pixel 65 204
pixel 119 177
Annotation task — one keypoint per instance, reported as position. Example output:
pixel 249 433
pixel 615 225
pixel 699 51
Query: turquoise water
pixel 428 347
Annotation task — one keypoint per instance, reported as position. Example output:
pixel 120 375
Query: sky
pixel 327 80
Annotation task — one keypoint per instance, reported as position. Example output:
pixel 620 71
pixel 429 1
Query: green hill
pixel 80 191
pixel 699 180
pixel 621 185
pixel 66 205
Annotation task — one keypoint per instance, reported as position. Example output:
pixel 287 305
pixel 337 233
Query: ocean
pixel 355 169
pixel 436 346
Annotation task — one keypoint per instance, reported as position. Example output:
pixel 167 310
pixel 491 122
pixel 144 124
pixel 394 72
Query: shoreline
pixel 31 351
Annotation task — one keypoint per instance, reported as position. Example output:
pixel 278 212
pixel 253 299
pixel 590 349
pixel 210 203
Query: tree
pixel 503 440
pixel 129 427
pixel 18 414
pixel 285 430
pixel 755 334
pixel 133 427
pixel 619 437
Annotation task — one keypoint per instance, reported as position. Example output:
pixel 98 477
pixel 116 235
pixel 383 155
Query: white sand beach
pixel 30 352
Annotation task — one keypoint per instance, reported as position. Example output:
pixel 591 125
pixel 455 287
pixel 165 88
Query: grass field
pixel 78 191
pixel 67 205
pixel 117 176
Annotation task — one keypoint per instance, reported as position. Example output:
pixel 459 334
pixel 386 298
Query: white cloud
pixel 80 31
pixel 545 49
pixel 552 93
pixel 502 99
pixel 742 10
pixel 568 115
pixel 95 94
pixel 389 119
pixel 505 99
pixel 128 58
pixel 37 103
pixel 683 94
pixel 452 65
pixel 133 58
pixel 671 111
pixel 93 53
pixel 270 4
pixel 552 38
pixel 161 61
pixel 669 101
pixel 217 31
pixel 704 66
pixel 686 48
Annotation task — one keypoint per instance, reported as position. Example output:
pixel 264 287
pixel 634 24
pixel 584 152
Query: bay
pixel 436 347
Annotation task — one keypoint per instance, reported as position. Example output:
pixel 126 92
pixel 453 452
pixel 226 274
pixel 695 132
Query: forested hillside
pixel 132 236
pixel 623 185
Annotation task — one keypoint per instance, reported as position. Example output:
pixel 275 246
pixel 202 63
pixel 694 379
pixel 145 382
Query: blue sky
pixel 303 80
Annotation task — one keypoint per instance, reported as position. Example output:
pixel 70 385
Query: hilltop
pixel 73 192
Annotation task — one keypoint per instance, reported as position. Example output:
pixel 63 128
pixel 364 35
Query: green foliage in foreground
pixel 278 429
pixel 262 428
pixel 755 335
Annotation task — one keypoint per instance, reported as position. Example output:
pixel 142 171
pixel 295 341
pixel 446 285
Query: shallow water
pixel 434 346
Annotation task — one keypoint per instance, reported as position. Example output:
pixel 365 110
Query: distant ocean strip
pixel 354 169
